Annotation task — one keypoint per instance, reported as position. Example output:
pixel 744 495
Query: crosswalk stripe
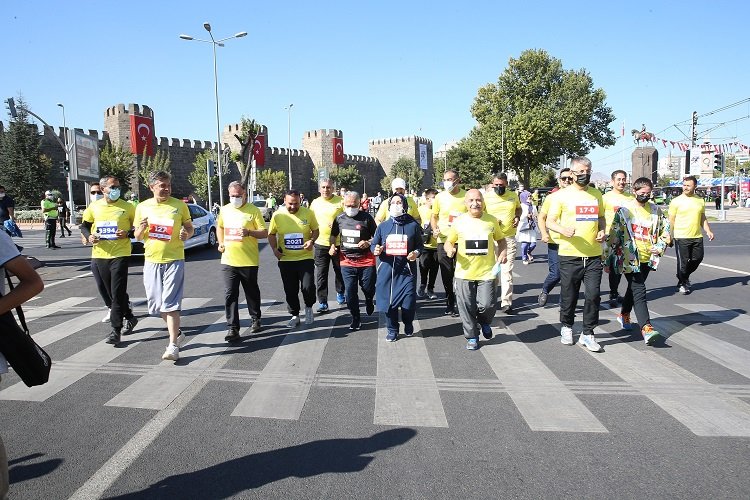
pixel 33 313
pixel 90 359
pixel 406 391
pixel 281 389
pixel 164 383
pixel 68 328
pixel 695 403
pixel 545 403
pixel 720 314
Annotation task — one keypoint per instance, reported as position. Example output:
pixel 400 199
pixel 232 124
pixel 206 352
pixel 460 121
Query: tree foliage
pixel 545 110
pixel 23 167
pixel 347 177
pixel 271 182
pixel 198 178
pixel 407 169
pixel 119 162
pixel 159 162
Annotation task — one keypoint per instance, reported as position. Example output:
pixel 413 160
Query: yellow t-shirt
pixel 641 223
pixel 612 201
pixel 384 206
pixel 545 210
pixel 503 208
pixel 52 214
pixel 688 214
pixel 239 251
pixel 425 213
pixel 107 218
pixel 447 207
pixel 475 253
pixel 165 220
pixel 292 230
pixel 579 209
pixel 325 211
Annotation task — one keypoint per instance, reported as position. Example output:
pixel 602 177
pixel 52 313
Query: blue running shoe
pixel 340 298
pixel 322 307
pixel 472 344
pixel 486 331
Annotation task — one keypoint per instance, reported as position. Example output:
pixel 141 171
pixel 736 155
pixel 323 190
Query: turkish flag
pixel 338 151
pixel 259 150
pixel 142 135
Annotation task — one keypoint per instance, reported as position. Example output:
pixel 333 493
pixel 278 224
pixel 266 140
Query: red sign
pixel 338 151
pixel 141 135
pixel 259 150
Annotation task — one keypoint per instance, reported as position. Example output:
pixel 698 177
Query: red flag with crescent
pixel 338 151
pixel 142 135
pixel 259 150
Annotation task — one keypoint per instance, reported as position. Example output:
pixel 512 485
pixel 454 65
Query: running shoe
pixel 391 337
pixel 369 307
pixel 255 327
pixel 486 330
pixel 431 294
pixel 113 337
pixel 105 319
pixel 409 330
pixel 542 299
pixel 232 335
pixel 322 307
pixel 566 335
pixel 355 325
pixel 472 344
pixel 650 336
pixel 293 322
pixel 589 342
pixel 129 325
pixel 172 353
pixel 420 292
pixel 683 290
pixel 341 298
pixel 624 320
pixel 308 316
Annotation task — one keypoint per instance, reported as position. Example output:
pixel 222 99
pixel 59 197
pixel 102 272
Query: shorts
pixel 164 284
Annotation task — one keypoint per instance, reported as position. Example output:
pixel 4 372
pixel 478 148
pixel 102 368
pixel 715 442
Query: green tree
pixel 160 161
pixel 347 177
pixel 407 169
pixel 119 162
pixel 542 177
pixel 663 180
pixel 545 111
pixel 198 177
pixel 23 167
pixel 269 181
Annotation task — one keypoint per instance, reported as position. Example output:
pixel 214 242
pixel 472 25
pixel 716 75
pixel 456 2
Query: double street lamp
pixel 214 43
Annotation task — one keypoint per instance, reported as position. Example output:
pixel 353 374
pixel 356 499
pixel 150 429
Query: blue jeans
pixel 365 276
pixel 553 263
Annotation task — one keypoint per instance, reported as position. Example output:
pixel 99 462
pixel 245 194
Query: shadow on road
pixel 19 473
pixel 233 477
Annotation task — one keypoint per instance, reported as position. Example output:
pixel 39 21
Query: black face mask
pixel 499 190
pixel 583 179
pixel 642 198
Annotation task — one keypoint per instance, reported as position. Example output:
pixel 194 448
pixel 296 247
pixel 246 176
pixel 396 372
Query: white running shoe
pixel 293 322
pixel 589 342
pixel 566 335
pixel 172 353
pixel 308 316
pixel 105 319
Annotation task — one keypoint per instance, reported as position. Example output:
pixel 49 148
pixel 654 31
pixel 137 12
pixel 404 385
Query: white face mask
pixel 351 211
pixel 237 202
pixel 396 210
pixel 95 197
pixel 448 185
pixel 2 195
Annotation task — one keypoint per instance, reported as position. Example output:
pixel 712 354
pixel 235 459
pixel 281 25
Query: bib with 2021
pixel 107 229
pixel 160 229
pixel 476 244
pixel 293 241
pixel 396 245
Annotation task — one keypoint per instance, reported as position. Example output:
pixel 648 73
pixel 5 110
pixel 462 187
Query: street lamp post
pixel 214 43
pixel 68 173
pixel 289 142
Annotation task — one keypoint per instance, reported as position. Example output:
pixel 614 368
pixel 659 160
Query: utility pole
pixel 693 139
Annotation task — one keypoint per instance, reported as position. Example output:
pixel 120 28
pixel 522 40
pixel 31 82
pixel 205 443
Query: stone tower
pixel 117 122
pixel 645 163
pixel 319 145
pixel 389 151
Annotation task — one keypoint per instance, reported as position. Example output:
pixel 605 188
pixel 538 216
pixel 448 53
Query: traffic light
pixel 66 166
pixel 11 105
pixel 719 163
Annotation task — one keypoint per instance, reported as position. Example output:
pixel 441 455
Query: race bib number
pixel 396 245
pixel 587 213
pixel 641 233
pixel 476 245
pixel 107 229
pixel 350 238
pixel 452 216
pixel 293 241
pixel 160 229
pixel 233 233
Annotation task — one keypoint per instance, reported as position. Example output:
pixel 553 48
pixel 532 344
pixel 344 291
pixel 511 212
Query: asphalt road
pixel 320 412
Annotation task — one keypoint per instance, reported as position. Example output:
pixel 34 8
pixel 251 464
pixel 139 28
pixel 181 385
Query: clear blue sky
pixel 372 69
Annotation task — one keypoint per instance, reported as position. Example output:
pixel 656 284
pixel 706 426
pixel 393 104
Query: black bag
pixel 28 360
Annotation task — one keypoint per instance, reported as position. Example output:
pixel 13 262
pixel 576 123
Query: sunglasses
pixel 566 179
pixel 96 192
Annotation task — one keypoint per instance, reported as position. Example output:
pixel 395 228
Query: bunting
pixel 726 147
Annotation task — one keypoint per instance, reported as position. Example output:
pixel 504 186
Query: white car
pixel 204 223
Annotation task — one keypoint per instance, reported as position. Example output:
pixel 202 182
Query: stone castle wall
pixel 389 151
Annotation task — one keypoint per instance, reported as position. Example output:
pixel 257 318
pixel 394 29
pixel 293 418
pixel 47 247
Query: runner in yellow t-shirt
pixel 428 263
pixel 291 236
pixel 240 224
pixel 577 214
pixel 687 213
pixel 473 239
pixel 165 223
pixel 613 200
pixel 505 206
pixel 448 205
pixel 326 208
pixel 107 225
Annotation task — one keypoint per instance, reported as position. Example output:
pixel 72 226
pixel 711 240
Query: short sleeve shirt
pixel 503 208
pixel 292 230
pixel 385 205
pixel 240 251
pixel 572 207
pixel 8 252
pixel 447 207
pixel 475 238
pixel 545 210
pixel 688 212
pixel 165 220
pixel 325 211
pixel 107 219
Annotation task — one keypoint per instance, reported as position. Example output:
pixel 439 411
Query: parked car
pixel 265 211
pixel 204 223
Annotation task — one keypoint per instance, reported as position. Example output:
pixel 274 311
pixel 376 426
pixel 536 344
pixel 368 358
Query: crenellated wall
pixel 389 151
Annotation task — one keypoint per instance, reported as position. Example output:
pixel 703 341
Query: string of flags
pixel 727 147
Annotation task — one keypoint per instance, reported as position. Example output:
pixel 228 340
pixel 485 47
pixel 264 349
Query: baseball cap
pixel 398 182
pixel 47 193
